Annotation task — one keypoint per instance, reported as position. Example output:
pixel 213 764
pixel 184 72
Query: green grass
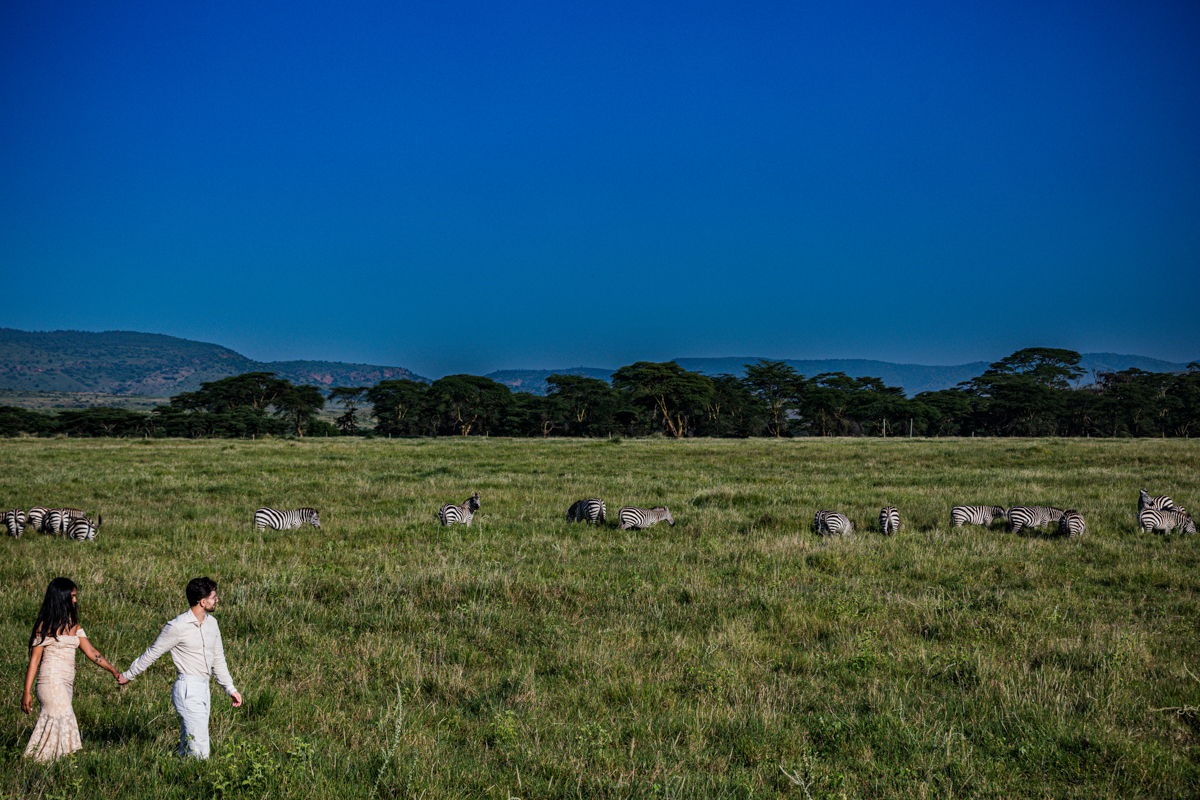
pixel 734 655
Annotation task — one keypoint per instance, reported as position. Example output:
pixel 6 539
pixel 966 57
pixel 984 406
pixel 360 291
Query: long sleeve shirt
pixel 195 648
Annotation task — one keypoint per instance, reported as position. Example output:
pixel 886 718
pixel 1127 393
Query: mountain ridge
pixel 155 364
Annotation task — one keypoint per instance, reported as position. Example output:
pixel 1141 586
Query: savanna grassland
pixel 736 654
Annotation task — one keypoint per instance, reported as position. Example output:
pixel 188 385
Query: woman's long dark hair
pixel 58 613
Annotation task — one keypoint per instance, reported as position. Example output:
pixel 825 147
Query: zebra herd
pixel 70 523
pixel 590 510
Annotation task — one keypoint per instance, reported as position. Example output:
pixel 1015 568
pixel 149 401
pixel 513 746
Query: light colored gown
pixel 57 732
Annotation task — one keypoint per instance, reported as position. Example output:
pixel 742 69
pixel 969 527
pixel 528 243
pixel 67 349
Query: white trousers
pixel 193 703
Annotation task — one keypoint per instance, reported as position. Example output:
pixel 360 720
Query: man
pixel 194 641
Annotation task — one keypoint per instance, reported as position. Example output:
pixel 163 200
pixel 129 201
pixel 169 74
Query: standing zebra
pixel 83 529
pixel 1166 520
pixel 976 515
pixel 637 519
pixel 464 512
pixel 1146 501
pixel 1033 516
pixel 592 511
pixel 15 522
pixel 59 519
pixel 1071 524
pixel 286 520
pixel 37 518
pixel 835 522
pixel 889 520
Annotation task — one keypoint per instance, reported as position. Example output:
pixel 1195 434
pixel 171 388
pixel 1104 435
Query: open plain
pixel 736 654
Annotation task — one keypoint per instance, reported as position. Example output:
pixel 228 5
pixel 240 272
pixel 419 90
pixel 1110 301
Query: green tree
pixel 397 406
pixel 299 405
pixel 778 387
pixel 468 402
pixel 668 390
pixel 588 403
pixel 257 390
pixel 733 410
pixel 350 398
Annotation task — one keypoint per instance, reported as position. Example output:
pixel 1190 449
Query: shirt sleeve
pixel 220 669
pixel 167 638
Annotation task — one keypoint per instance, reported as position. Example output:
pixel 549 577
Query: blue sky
pixel 465 187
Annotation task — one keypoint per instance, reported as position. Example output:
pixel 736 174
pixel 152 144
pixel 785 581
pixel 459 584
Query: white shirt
pixel 195 648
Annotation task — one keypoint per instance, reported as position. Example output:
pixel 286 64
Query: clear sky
pixel 464 187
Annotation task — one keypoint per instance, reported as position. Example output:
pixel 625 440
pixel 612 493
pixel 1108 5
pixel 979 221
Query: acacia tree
pixel 299 405
pixel 350 397
pixel 668 389
pixel 467 400
pixel 587 402
pixel 779 387
pixel 396 405
pixel 256 390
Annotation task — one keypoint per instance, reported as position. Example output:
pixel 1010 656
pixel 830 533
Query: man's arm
pixel 221 670
pixel 167 638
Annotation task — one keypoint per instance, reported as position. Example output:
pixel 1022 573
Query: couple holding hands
pixel 193 640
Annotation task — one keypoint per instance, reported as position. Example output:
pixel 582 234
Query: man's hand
pixel 237 699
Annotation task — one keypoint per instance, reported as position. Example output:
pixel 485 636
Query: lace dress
pixel 56 733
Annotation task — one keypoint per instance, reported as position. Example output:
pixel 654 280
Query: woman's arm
pixel 35 658
pixel 94 655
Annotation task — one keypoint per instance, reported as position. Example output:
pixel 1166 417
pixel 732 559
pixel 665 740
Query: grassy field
pixel 734 655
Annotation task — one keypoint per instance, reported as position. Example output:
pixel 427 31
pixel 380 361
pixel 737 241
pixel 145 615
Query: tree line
pixel 1034 392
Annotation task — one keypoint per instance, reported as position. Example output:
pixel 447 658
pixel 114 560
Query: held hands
pixel 237 699
pixel 121 680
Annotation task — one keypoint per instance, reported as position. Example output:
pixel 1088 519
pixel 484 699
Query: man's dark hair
pixel 200 588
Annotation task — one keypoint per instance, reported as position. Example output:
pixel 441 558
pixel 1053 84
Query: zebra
pixel 1166 520
pixel 37 518
pixel 819 521
pixel 463 512
pixel 1071 524
pixel 15 522
pixel 592 511
pixel 1146 501
pixel 976 515
pixel 1033 516
pixel 637 519
pixel 59 519
pixel 835 522
pixel 83 529
pixel 889 520
pixel 286 520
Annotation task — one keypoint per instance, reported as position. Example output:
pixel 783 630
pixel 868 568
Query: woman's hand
pixel 26 702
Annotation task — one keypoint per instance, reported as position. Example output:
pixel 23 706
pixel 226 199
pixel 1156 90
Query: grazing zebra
pixel 819 521
pixel 592 511
pixel 637 519
pixel 835 522
pixel 1032 516
pixel 59 519
pixel 463 512
pixel 1071 524
pixel 889 520
pixel 15 522
pixel 1166 520
pixel 1146 501
pixel 83 529
pixel 976 515
pixel 286 520
pixel 37 518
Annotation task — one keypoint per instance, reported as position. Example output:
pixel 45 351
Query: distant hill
pixel 124 362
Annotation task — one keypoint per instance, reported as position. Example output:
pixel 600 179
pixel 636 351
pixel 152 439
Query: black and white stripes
pixel 286 520
pixel 1071 523
pixel 1165 520
pixel 1146 501
pixel 632 518
pixel 15 522
pixel 889 520
pixel 833 522
pixel 82 529
pixel 975 515
pixel 1032 516
pixel 463 512
pixel 592 511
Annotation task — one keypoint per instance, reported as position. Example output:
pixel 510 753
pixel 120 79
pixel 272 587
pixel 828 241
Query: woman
pixel 56 634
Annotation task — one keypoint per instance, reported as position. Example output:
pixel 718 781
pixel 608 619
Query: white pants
pixel 193 702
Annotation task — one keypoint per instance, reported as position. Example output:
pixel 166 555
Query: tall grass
pixel 734 655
